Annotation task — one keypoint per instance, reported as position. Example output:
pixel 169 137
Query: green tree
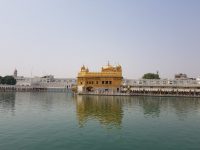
pixel 9 80
pixel 0 79
pixel 151 76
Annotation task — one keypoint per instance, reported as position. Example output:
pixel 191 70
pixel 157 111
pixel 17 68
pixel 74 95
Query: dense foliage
pixel 151 76
pixel 8 80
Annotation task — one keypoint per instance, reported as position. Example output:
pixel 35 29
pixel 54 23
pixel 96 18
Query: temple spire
pixel 108 63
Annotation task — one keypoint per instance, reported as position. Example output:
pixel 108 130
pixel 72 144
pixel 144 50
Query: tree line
pixel 151 76
pixel 8 80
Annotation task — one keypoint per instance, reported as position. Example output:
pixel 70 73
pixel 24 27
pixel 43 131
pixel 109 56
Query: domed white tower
pixel 15 73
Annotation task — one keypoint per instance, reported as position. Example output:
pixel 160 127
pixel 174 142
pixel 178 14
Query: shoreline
pixel 14 88
pixel 132 95
pixel 94 94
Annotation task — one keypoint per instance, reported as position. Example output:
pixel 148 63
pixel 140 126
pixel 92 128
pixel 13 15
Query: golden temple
pixel 108 80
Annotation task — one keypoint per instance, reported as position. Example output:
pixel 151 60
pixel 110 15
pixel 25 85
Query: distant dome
pixel 110 68
pixel 83 68
pixel 87 70
pixel 106 67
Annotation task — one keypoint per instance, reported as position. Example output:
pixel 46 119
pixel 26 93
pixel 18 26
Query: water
pixel 60 121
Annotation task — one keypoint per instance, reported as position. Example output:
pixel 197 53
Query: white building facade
pixel 160 82
pixel 47 81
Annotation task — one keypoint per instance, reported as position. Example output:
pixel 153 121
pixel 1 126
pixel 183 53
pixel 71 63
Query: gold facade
pixel 108 80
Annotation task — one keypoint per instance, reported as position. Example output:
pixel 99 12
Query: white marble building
pixel 160 82
pixel 46 81
pixel 23 81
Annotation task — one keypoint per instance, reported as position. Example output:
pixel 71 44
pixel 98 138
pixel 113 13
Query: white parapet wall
pixel 160 82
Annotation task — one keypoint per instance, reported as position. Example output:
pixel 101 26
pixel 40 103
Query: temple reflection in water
pixel 106 109
pixel 110 110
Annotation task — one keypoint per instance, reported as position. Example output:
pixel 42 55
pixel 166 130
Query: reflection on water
pixel 107 109
pixel 48 120
pixel 32 101
pixel 181 106
pixel 110 110
pixel 152 105
pixel 7 101
pixel 184 106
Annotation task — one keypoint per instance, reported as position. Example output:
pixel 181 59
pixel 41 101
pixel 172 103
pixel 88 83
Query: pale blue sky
pixel 58 36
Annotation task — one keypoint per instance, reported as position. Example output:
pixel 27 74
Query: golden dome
pixel 110 68
pixel 83 68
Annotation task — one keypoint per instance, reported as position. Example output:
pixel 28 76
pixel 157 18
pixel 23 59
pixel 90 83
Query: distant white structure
pixel 23 81
pixel 198 80
pixel 50 82
pixel 47 81
pixel 160 82
pixel 181 76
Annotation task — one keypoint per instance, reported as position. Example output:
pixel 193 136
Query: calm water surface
pixel 61 121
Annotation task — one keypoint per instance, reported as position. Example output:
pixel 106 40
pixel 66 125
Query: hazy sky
pixel 59 36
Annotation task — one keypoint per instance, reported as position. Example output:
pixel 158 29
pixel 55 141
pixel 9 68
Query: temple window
pixel 102 82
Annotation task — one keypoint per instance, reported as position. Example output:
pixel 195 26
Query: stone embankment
pixel 9 88
pixel 186 91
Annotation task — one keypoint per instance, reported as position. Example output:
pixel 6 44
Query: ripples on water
pixel 64 121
